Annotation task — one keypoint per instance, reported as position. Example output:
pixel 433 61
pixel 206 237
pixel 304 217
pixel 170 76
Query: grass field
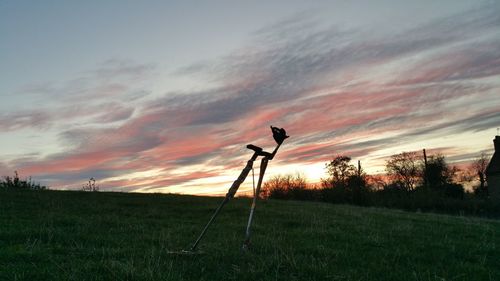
pixel 55 235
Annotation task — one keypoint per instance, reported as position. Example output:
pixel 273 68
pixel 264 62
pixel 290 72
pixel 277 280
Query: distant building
pixel 493 171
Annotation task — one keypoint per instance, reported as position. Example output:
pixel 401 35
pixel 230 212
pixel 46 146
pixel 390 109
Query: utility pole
pixel 425 169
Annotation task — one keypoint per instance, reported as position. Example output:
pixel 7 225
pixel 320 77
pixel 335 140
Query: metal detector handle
pixel 244 173
pixel 260 152
pixel 254 148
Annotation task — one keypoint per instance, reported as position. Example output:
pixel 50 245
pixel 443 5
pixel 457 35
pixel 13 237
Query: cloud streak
pixel 335 91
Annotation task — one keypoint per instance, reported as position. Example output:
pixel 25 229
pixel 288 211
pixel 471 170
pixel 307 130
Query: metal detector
pixel 279 135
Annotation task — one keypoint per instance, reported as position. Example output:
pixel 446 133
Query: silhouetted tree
pixel 438 172
pixel 404 170
pixel 478 168
pixel 345 182
pixel 339 171
pixel 440 176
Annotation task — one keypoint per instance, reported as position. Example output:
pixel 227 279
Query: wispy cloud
pixel 20 120
pixel 334 90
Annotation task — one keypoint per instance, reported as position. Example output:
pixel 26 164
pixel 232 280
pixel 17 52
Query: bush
pixel 90 185
pixel 16 183
pixel 454 190
pixel 291 187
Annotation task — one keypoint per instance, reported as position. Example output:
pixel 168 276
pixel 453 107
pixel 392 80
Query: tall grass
pixel 56 235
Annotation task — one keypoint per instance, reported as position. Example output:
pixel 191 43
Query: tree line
pixel 411 181
pixel 15 182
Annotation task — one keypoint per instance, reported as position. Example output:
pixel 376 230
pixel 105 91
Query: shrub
pixel 454 190
pixel 15 182
pixel 292 187
pixel 90 185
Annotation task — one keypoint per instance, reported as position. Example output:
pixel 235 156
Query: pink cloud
pixel 72 162
pixel 331 99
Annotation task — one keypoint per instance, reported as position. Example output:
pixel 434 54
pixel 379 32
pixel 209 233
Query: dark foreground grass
pixel 50 235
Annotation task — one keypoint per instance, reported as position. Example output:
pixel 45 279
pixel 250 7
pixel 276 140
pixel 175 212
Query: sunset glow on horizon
pixel 154 96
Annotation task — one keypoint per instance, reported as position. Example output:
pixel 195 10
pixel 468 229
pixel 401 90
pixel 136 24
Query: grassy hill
pixel 55 235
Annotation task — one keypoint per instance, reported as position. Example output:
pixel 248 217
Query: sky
pixel 164 96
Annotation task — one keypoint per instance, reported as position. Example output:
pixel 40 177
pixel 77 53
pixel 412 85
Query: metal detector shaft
pixel 231 192
pixel 263 166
